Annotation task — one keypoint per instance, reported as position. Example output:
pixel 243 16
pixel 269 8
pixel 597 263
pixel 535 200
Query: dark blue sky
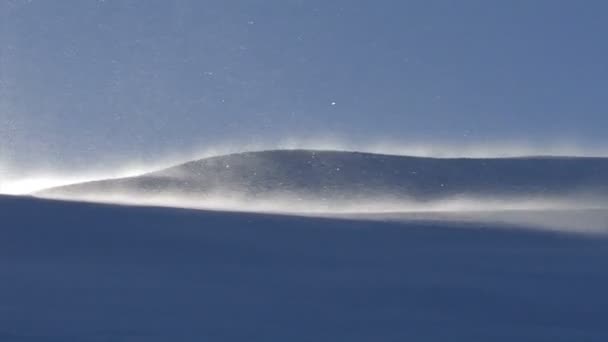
pixel 84 82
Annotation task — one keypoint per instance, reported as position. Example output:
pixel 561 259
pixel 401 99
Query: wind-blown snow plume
pixel 48 174
pixel 311 182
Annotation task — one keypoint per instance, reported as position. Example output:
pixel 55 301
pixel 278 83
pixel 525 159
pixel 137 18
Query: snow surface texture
pixel 94 272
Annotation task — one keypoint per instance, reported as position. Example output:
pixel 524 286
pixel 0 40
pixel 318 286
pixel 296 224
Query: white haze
pixel 577 213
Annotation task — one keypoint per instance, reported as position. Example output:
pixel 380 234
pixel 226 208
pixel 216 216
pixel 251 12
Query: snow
pixel 92 272
pixel 309 246
pixel 309 181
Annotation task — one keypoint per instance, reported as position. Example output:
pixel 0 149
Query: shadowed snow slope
pixel 334 176
pixel 92 272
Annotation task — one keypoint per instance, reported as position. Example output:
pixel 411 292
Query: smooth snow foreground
pixel 92 272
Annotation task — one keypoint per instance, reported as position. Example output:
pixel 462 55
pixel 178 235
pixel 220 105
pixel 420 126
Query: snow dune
pixel 309 180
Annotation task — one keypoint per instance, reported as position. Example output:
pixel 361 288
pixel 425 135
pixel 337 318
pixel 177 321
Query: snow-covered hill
pixel 92 272
pixel 338 177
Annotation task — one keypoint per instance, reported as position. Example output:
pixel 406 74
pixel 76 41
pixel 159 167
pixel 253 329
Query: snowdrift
pixel 335 181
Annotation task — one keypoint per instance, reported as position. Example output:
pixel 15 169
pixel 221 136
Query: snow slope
pixel 92 272
pixel 338 175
